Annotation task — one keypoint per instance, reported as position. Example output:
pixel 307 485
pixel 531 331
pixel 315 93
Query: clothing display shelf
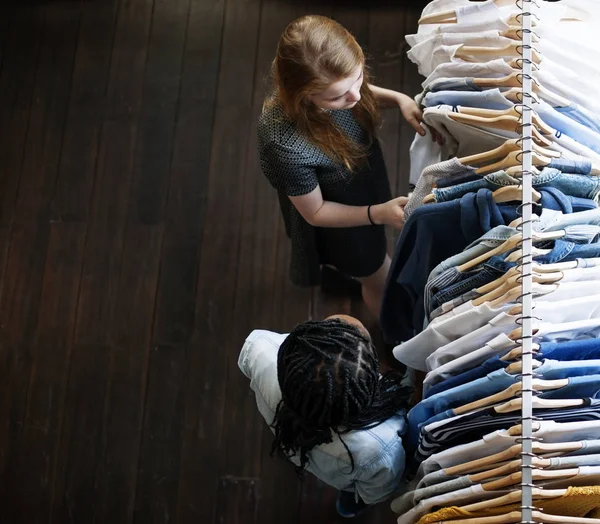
pixel 528 56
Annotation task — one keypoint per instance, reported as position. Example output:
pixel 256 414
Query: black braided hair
pixel 328 372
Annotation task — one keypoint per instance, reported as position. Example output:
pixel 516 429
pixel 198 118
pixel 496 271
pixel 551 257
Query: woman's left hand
pixel 414 116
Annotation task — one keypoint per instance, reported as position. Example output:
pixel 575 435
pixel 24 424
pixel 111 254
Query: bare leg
pixel 373 286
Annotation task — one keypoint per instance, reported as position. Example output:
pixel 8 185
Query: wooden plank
pixel 176 301
pixel 158 475
pixel 29 214
pixel 116 476
pixel 76 496
pixel 33 462
pixel 6 14
pixel 17 81
pixel 81 435
pixel 110 198
pixel 105 234
pixel 86 112
pixel 207 359
pixel 157 120
pixel 145 490
pixel 237 500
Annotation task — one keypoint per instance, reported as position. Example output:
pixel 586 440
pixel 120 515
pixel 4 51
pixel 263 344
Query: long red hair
pixel 314 52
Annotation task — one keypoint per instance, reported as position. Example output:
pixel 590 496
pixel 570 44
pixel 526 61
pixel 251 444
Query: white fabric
pixel 573 59
pixel 442 331
pixel 464 139
pixel 424 152
pixel 469 27
pixel 496 346
pixel 573 330
pixel 440 55
pixel 428 52
pixel 573 314
pixel 585 276
pixel 501 323
pixel 500 440
pixel 581 274
pixel 582 92
pixel 496 68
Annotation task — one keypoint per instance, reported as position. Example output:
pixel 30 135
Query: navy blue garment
pixel 553 198
pixel 587 349
pixel 434 233
pixel 431 234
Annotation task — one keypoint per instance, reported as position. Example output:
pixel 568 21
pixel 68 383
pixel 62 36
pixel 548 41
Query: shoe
pixel 335 282
pixel 347 507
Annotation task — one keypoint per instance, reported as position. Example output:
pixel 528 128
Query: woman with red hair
pixel 318 147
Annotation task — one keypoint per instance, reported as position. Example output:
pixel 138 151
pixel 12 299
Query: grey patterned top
pixel 295 167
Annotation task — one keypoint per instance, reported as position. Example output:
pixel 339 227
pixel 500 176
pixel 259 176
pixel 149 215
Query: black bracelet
pixel 369 215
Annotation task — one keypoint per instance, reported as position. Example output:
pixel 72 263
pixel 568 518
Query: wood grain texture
pixel 140 244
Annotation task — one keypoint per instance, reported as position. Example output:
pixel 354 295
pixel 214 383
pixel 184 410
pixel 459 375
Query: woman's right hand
pixel 390 213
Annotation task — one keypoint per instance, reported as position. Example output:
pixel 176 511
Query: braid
pixel 328 373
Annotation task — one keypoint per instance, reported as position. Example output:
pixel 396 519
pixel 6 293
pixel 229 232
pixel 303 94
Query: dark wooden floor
pixel 139 245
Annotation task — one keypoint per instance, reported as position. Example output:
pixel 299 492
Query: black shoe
pixel 336 282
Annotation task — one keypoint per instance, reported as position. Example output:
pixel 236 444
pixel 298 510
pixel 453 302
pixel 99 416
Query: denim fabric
pixel 581 166
pixel 488 241
pixel 571 185
pixel 564 251
pixel 578 387
pixel 582 115
pixel 483 274
pixel 452 284
pixel 550 220
pixel 586 349
pixel 450 181
pixel 568 166
pixel 555 199
pixel 572 350
pixel 431 234
pixel 439 406
pixel 584 382
pixel 455 302
pixel 466 93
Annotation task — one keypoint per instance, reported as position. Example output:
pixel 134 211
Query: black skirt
pixel 357 251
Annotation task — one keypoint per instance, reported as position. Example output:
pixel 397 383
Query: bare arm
pixel 320 213
pixel 408 107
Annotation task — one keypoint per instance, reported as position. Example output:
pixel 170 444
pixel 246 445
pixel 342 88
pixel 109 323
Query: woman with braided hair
pixel 332 412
